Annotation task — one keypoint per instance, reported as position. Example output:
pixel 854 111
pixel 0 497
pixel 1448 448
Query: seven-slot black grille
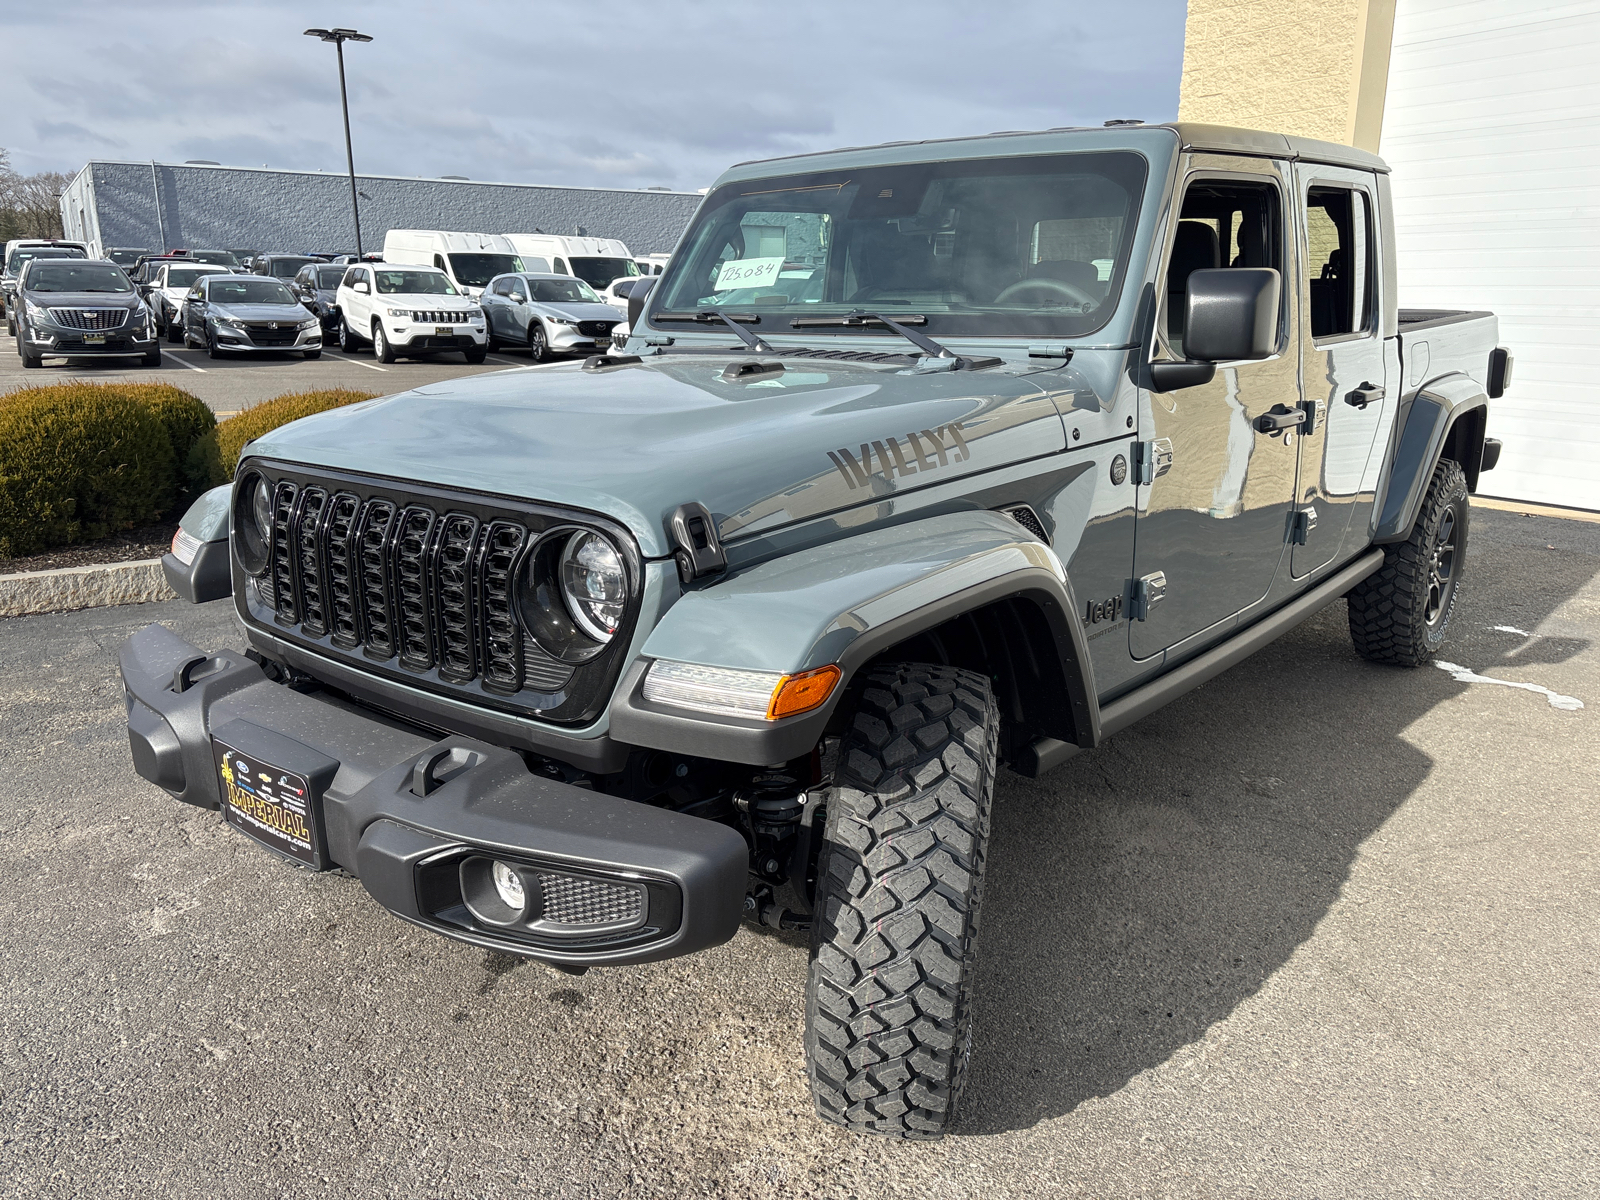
pixel 428 585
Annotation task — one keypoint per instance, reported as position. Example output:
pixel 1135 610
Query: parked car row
pixel 428 292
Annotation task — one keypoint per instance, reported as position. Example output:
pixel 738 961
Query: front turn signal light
pixel 802 693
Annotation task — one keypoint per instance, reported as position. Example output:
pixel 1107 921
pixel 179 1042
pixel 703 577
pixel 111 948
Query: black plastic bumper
pixel 403 811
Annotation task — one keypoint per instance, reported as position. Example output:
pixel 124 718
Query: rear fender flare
pixel 845 603
pixel 1425 424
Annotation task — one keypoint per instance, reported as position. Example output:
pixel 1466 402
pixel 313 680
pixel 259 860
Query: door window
pixel 1223 224
pixel 502 287
pixel 1339 261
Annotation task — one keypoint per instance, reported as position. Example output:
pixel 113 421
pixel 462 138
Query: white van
pixel 652 264
pixel 470 260
pixel 596 261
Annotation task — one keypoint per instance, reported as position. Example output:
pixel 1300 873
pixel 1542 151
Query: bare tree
pixel 35 203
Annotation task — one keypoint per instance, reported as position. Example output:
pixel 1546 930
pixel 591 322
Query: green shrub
pixel 186 419
pixel 78 461
pixel 214 456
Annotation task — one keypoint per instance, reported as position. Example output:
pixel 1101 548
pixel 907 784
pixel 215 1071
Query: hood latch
pixel 694 537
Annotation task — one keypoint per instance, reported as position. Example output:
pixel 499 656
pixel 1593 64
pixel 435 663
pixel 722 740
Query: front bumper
pixel 228 339
pixel 407 338
pixel 568 339
pixel 404 811
pixel 58 341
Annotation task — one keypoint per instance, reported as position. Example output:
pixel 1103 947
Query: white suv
pixel 166 293
pixel 407 310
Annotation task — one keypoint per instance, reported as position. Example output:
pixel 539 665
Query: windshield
pixel 125 258
pixel 221 258
pixel 182 277
pixel 19 257
pixel 475 270
pixel 286 268
pixel 250 291
pixel 1033 245
pixel 432 283
pixel 329 277
pixel 599 272
pixel 562 291
pixel 73 277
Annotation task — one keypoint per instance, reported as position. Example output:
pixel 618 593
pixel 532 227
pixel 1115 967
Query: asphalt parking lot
pixel 240 381
pixel 1319 929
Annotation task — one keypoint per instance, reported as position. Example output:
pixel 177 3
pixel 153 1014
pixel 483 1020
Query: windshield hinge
pixel 696 550
pixel 1050 350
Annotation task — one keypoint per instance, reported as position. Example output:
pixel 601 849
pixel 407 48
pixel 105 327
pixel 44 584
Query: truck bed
pixel 1436 341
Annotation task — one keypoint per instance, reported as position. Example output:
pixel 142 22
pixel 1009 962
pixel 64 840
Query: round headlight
pixel 253 523
pixel 594 584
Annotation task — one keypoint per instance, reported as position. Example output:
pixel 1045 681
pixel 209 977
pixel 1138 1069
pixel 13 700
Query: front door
pixel 1212 519
pixel 1342 350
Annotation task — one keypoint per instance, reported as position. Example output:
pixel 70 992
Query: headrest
pixel 1252 245
pixel 1195 248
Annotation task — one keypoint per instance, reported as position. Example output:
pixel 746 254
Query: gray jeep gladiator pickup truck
pixel 920 459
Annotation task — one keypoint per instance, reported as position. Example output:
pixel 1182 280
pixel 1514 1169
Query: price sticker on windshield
pixel 747 273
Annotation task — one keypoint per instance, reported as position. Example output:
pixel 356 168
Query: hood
pixel 85 299
pixel 577 311
pixel 286 314
pixel 636 441
pixel 424 300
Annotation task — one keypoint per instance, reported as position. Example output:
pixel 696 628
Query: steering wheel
pixel 1059 286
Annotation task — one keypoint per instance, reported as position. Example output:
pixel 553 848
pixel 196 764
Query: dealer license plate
pixel 275 807
pixel 444 330
pixel 94 339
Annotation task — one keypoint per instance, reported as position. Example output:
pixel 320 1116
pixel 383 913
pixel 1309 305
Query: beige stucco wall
pixel 1317 68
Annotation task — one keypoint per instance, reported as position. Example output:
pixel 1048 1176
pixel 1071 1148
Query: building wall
pixel 1493 131
pixel 1310 67
pixel 229 207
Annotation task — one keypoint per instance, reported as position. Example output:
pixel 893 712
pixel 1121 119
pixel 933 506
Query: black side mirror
pixel 1230 314
pixel 636 298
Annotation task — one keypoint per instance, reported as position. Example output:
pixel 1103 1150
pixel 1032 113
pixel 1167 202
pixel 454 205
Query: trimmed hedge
pixel 186 418
pixel 79 461
pixel 214 456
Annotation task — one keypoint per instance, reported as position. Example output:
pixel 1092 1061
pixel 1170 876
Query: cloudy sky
pixel 621 93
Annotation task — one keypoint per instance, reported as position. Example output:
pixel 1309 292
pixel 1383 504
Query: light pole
pixel 339 37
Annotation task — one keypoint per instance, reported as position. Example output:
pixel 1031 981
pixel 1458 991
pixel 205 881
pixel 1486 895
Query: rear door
pixel 1212 516
pixel 1342 349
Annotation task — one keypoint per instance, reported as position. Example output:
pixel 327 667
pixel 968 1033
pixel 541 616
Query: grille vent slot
pixel 283 589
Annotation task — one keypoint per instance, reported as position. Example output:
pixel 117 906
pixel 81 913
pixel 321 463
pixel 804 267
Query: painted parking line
pixel 357 361
pixel 506 361
pixel 181 363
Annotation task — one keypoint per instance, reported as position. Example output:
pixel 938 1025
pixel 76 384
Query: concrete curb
pixel 70 588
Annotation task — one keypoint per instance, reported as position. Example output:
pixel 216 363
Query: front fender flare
pixel 846 602
pixel 1425 422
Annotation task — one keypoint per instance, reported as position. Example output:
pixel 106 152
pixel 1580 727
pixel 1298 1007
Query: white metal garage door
pixel 1492 126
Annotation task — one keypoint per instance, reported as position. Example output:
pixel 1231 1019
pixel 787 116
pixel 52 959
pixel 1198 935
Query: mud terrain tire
pixel 899 880
pixel 1399 613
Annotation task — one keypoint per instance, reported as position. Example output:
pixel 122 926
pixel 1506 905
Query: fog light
pixel 509 885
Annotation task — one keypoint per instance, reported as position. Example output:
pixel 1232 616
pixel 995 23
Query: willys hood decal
pixel 634 442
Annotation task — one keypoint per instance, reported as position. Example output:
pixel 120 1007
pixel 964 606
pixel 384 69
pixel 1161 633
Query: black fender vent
pixel 1024 515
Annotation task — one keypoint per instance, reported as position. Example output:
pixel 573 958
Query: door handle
pixel 1279 418
pixel 1364 395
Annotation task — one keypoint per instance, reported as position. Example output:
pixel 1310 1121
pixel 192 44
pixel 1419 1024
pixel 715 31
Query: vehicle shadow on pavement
pixel 1144 891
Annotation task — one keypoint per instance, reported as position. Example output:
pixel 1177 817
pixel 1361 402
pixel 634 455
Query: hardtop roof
pixel 1191 135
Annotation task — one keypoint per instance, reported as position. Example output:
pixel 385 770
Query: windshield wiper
pixel 858 318
pixel 706 316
